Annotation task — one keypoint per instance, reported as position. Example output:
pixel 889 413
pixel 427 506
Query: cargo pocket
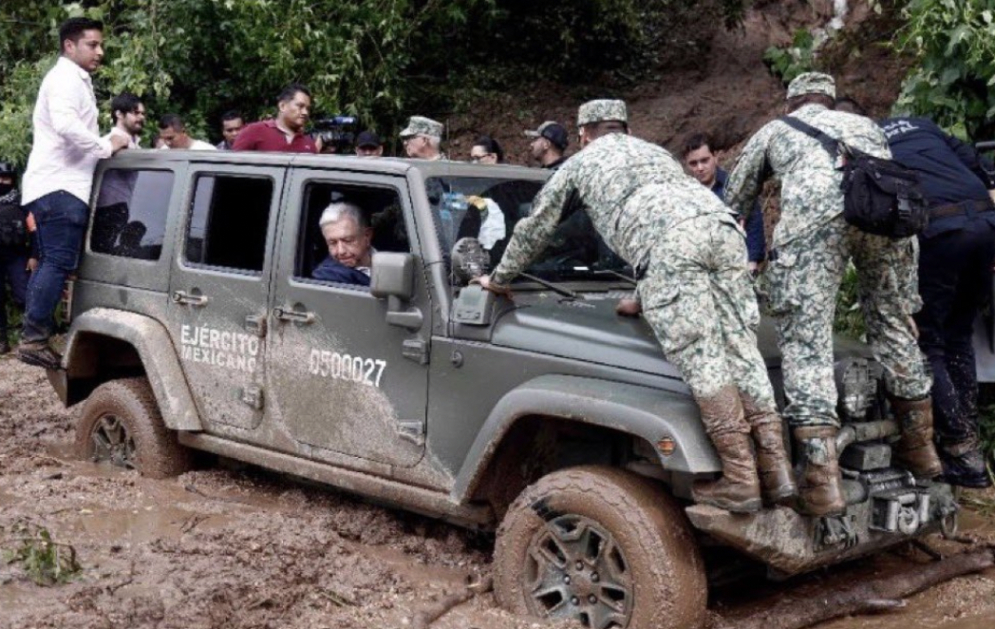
pixel 778 287
pixel 674 314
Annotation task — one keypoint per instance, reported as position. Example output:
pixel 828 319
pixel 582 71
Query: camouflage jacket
pixel 632 190
pixel 810 181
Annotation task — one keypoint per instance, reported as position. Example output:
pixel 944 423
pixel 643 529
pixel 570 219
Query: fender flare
pixel 649 414
pixel 155 349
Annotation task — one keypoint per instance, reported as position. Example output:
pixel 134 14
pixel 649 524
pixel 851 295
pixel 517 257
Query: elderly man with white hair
pixel 423 138
pixel 348 235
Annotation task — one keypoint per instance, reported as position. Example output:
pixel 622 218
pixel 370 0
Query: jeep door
pixel 219 290
pixel 345 381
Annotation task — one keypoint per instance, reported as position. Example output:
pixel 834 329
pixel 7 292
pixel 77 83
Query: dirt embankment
pixel 729 93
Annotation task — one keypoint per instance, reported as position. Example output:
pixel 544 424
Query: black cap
pixel 552 131
pixel 6 168
pixel 368 138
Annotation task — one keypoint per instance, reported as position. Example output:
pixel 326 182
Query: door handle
pixel 183 297
pixel 293 316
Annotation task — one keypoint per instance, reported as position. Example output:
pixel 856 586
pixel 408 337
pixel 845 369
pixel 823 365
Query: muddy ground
pixel 229 546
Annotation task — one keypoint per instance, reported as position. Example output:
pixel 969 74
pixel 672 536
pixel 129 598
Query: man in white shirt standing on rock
pixel 59 176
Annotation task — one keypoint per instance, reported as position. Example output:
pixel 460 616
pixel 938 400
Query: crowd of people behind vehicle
pixel 680 227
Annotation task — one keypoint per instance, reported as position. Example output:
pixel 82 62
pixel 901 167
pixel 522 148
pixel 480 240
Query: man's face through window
pixel 347 242
pixel 701 163
pixel 230 129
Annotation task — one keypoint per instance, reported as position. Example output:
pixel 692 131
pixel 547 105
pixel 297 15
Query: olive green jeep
pixel 197 325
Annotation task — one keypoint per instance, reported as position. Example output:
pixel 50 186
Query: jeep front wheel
pixel 603 547
pixel 121 425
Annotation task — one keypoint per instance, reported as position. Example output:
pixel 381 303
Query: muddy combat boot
pixel 915 449
pixel 738 490
pixel 819 490
pixel 776 478
pixel 964 463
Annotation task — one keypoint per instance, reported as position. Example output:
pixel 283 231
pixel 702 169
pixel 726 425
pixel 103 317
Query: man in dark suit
pixel 350 255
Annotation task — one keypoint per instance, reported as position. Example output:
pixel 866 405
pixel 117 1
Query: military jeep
pixel 196 325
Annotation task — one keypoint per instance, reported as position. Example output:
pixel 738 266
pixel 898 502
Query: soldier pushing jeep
pixel 811 246
pixel 690 259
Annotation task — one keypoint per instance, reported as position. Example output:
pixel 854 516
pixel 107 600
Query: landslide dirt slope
pixel 729 93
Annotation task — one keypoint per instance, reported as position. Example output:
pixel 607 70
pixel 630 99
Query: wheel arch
pixel 105 344
pixel 612 409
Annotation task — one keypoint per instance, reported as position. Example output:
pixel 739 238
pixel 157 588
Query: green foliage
pixel 986 420
pixel 787 62
pixel 849 319
pixel 381 60
pixel 45 561
pixel 953 77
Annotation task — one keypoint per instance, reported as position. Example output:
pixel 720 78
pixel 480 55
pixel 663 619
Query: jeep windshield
pixel 488 208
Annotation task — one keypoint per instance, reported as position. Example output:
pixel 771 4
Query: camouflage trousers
pixel 801 283
pixel 698 297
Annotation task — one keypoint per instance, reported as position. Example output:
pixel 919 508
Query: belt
pixel 964 208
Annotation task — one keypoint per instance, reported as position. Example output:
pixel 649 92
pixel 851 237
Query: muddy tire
pixel 601 546
pixel 121 425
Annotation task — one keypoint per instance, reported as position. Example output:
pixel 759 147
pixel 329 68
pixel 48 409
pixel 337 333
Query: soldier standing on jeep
pixel 59 176
pixel 811 246
pixel 15 259
pixel 690 260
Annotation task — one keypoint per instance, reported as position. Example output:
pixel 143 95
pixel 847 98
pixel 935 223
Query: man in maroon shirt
pixel 285 133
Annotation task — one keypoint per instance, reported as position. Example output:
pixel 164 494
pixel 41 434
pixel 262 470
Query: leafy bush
pixel 953 78
pixel 377 60
pixel 787 62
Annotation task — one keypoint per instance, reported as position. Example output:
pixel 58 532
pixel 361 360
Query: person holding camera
pixel 285 133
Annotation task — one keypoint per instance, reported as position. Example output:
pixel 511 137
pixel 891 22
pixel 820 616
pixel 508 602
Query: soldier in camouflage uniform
pixel 690 257
pixel 811 246
pixel 423 138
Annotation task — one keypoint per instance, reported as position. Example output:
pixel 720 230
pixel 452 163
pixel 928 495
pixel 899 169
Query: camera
pixel 337 133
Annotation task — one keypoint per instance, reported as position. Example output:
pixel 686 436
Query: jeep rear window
pixel 229 221
pixel 130 219
pixel 575 252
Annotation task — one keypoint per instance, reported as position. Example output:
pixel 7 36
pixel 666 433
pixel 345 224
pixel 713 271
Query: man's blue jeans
pixel 61 219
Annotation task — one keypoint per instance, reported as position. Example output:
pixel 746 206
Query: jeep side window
pixel 228 222
pixel 381 209
pixel 130 217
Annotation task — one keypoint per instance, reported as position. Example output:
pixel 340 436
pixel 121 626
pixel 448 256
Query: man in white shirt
pixel 173 134
pixel 59 176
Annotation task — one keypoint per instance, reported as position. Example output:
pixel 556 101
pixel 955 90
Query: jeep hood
pixel 588 330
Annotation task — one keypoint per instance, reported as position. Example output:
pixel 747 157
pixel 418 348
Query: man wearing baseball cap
pixel 368 144
pixel 812 244
pixel 423 138
pixel 690 259
pixel 549 142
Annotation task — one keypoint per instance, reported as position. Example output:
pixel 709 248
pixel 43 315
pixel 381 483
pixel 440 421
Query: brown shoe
pixel 738 490
pixel 915 449
pixel 776 478
pixel 819 490
pixel 39 354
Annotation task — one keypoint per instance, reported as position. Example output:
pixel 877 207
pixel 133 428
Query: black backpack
pixel 880 196
pixel 13 227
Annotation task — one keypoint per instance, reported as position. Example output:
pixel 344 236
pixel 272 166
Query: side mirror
pixel 393 275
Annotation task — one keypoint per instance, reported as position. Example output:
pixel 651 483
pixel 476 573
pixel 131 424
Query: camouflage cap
pixel 420 125
pixel 812 83
pixel 602 110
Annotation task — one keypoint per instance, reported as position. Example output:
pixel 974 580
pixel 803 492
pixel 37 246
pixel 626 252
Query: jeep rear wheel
pixel 121 425
pixel 603 547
